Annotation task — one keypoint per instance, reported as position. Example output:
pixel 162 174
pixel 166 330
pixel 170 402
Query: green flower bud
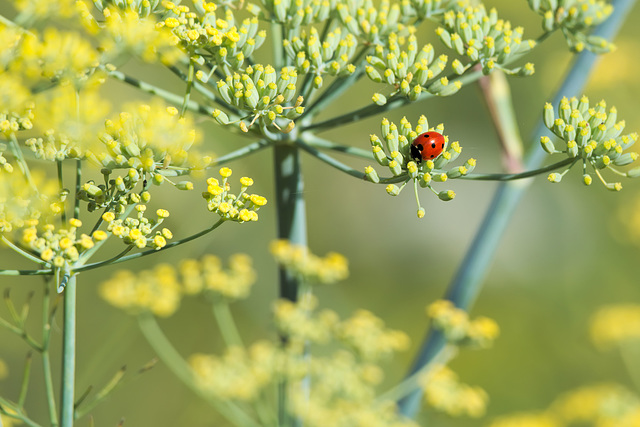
pixel 379 99
pixel 572 149
pixel 373 74
pixel 185 185
pixel 602 162
pixel 548 115
pixel 614 186
pixel 547 144
pixel 392 190
pixel 445 37
pixel 554 177
pixel 470 165
pixel 395 168
pixel 446 195
pixel 626 159
pixel 439 177
pixel 633 173
pixel 586 179
pixel 371 174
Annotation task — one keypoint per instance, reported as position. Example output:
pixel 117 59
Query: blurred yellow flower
pixel 615 324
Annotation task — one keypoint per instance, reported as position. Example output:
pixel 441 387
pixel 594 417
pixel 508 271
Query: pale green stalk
pixel 226 323
pixel 181 369
pixel 187 94
pixel 68 354
pixel 46 359
pixel 467 282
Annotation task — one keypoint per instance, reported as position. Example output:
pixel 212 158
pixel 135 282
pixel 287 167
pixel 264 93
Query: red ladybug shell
pixel 427 146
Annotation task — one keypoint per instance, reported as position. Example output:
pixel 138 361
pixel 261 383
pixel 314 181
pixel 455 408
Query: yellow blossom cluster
pixel 148 138
pixel 366 335
pixel 157 290
pixel 128 32
pixel 242 207
pixel 616 325
pixel 56 246
pixel 444 392
pixel 221 37
pixel 598 404
pixel 139 231
pixel 16 105
pixel 240 374
pixel 343 383
pixel 314 269
pixel 207 274
pixel 20 204
pixel 459 329
pixel 57 54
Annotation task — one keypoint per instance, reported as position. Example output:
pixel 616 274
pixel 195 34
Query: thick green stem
pixel 292 226
pixel 68 354
pixel 181 369
pixel 63 215
pixel 46 359
pixel 468 280
pixel 226 324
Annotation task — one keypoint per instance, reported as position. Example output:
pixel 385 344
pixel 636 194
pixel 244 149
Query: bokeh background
pixel 569 250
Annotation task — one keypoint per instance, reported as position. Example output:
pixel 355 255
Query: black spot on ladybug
pixel 433 145
pixel 426 136
pixel 442 145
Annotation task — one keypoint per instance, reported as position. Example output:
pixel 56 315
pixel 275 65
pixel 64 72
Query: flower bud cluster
pixel 220 38
pixel 444 392
pixel 484 39
pixel 208 275
pixel 393 151
pixel 294 13
pixel 156 291
pixel 428 8
pixel 371 21
pixel 315 56
pixel 57 246
pixel 118 193
pixel 300 261
pixel 409 70
pixel 16 111
pixel 20 203
pixel 127 31
pixel 56 54
pixel 591 135
pixel 575 18
pixel 142 7
pixel 366 334
pixel 148 139
pixel 54 146
pixel 138 231
pixel 459 329
pixel 240 208
pixel 264 93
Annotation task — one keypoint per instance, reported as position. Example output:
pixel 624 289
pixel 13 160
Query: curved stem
pixel 68 354
pixel 315 141
pixel 119 258
pixel 226 324
pixel 467 282
pixel 373 109
pixel 181 369
pixel 22 252
pixel 21 162
pixel 241 152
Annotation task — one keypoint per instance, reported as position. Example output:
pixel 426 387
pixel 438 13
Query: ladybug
pixel 427 146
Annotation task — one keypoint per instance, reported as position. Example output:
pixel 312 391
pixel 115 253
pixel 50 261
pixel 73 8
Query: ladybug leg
pixel 416 152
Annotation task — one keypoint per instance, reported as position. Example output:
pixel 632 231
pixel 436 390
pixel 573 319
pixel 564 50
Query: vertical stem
pixel 187 94
pixel 468 280
pixel 68 354
pixel 292 225
pixel 76 206
pixel 63 216
pixel 46 360
pixel 290 206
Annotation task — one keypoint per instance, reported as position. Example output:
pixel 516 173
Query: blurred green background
pixel 566 252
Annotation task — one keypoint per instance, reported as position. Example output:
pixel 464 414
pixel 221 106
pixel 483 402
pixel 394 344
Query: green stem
pixel 292 226
pixel 46 360
pixel 119 258
pixel 315 141
pixel 411 382
pixel 22 163
pixel 63 215
pixel 25 382
pixel 330 160
pixel 187 95
pixel 22 252
pixel 515 176
pixel 226 324
pixel 394 102
pixel 16 413
pixel 467 282
pixel 242 152
pixel 158 91
pixel 181 369
pixel 68 354
pixel 76 205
